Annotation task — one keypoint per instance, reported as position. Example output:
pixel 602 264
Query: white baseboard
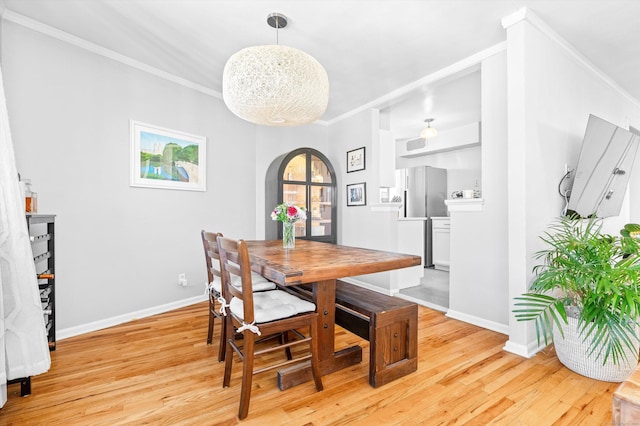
pixel 110 322
pixel 421 302
pixel 518 349
pixel 480 322
pixel 527 351
pixel 368 286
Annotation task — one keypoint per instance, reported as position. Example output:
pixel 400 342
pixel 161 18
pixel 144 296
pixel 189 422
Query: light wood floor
pixel 159 370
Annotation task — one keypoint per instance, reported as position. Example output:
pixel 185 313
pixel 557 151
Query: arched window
pixel 305 178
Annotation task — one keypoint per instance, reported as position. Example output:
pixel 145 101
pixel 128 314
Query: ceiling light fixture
pixel 275 85
pixel 428 132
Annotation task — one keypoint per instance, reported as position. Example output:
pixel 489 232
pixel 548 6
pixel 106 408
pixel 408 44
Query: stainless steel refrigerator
pixel 424 195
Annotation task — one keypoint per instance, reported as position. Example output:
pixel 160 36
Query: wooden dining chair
pixel 268 313
pixel 214 287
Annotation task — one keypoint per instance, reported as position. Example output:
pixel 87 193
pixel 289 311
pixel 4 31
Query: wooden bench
pixel 626 401
pixel 389 324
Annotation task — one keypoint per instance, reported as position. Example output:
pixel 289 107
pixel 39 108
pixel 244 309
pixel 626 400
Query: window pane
pixel 319 171
pixel 301 228
pixel 320 213
pixel 296 169
pixel 297 195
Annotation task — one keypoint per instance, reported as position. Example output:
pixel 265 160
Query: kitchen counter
pixel 425 218
pixel 465 204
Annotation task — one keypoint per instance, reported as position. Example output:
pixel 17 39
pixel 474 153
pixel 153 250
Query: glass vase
pixel 288 235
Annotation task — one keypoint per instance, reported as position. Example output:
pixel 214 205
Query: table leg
pixel 324 296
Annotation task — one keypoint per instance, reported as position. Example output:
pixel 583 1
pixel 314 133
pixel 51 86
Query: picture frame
pixel 356 160
pixel 167 159
pixel 357 194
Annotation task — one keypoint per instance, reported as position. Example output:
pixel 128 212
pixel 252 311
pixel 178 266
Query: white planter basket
pixel 572 352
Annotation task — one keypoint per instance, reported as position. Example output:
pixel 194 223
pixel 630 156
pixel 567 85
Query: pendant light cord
pixel 277 21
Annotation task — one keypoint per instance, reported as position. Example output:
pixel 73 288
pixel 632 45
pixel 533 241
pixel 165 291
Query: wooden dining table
pixel 321 264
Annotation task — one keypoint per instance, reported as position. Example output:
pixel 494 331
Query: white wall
pixel 478 270
pixel 360 226
pixel 551 92
pixel 348 134
pixel 119 249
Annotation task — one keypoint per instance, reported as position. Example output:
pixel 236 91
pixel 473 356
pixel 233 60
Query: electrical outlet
pixel 182 279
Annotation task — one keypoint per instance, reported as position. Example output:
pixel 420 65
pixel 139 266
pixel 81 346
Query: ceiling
pixel 370 48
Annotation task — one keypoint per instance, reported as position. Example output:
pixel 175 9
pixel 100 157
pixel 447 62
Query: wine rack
pixel 42 236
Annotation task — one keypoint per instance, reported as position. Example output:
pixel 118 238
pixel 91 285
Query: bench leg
pixel 393 345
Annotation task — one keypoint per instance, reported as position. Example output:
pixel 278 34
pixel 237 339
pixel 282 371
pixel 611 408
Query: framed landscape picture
pixel 357 194
pixel 355 160
pixel 167 159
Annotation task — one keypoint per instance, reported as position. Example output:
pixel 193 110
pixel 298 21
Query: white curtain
pixel 24 350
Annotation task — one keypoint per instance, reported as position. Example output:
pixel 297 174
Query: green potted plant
pixel 585 296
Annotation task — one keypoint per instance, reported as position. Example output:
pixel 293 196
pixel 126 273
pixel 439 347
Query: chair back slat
pixel 240 266
pixel 214 277
pixel 210 244
pixel 234 269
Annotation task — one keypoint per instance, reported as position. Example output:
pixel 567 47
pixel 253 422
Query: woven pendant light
pixel 275 85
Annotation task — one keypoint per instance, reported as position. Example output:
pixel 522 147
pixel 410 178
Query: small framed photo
pixel 357 194
pixel 167 159
pixel 355 160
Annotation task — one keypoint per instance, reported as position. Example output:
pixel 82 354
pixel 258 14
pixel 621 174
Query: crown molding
pixel 515 17
pixel 526 15
pixel 37 26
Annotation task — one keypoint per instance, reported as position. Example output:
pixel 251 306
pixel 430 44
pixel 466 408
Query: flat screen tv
pixel 602 173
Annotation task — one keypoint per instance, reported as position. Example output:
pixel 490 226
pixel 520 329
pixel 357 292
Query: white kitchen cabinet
pixel 441 242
